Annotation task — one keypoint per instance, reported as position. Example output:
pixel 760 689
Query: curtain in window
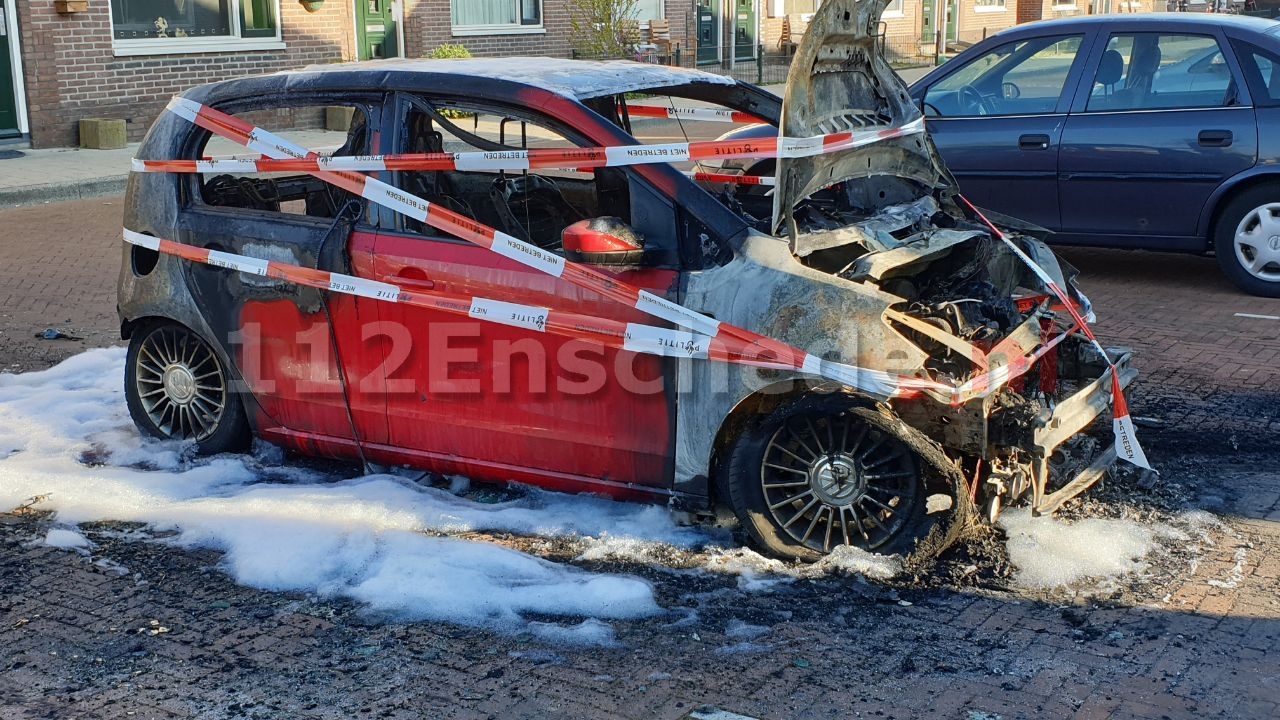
pixel 648 9
pixel 484 12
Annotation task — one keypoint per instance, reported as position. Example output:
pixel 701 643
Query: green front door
pixel 8 94
pixel 708 31
pixel 376 29
pixel 744 29
pixel 927 26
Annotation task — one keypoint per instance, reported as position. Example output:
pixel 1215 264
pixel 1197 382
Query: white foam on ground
pixel 1049 552
pixel 757 573
pixel 360 538
pixel 588 633
pixel 744 648
pixel 744 631
pixel 66 539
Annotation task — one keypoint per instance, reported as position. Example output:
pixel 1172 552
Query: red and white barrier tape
pixel 700 114
pixel 444 160
pixel 780 354
pixel 515 160
pixel 766 180
pixel 1127 446
pixel 743 346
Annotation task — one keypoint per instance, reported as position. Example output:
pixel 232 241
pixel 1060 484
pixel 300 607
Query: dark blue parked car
pixel 1153 131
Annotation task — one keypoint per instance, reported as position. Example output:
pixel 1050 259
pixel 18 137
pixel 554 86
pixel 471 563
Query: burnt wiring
pixel 355 209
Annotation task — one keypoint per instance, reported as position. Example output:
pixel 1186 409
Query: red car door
pixel 500 402
pixel 494 401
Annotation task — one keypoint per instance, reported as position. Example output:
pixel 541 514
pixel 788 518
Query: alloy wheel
pixel 834 480
pixel 180 383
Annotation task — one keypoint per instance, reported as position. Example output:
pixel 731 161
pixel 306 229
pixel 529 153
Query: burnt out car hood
pixel 840 82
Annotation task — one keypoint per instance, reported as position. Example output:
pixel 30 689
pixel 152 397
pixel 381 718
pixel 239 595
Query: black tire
pixel 826 444
pixel 177 388
pixel 1239 254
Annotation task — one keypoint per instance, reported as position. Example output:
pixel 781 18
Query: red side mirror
pixel 603 241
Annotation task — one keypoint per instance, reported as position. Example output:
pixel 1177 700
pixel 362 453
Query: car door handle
pixel 1033 142
pixel 1215 138
pixel 411 282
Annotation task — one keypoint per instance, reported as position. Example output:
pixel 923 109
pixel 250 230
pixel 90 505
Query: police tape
pixel 617 334
pixel 734 179
pixel 1127 446
pixel 688 113
pixel 762 349
pixel 262 165
pixel 517 160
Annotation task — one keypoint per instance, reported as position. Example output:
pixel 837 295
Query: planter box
pixel 102 134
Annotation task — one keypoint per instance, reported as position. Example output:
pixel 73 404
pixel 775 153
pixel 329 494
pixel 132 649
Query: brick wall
pixel 71 72
pixel 1032 10
pixel 976 24
pixel 429 25
pixel 901 30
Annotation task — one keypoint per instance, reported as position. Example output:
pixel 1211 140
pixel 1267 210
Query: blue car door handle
pixel 1033 142
pixel 1215 138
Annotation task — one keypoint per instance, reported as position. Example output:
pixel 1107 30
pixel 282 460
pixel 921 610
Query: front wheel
pixel 177 388
pixel 823 472
pixel 1247 240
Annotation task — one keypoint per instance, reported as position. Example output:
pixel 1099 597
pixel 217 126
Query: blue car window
pixel 1154 71
pixel 1261 72
pixel 1019 78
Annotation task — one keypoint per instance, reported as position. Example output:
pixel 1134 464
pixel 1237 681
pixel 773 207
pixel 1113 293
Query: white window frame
pixel 504 29
pixel 1064 4
pixel 15 63
pixel 895 9
pixel 207 44
pixel 662 13
pixel 998 6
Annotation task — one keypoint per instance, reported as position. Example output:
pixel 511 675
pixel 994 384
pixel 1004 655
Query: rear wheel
pixel 177 388
pixel 823 472
pixel 1247 240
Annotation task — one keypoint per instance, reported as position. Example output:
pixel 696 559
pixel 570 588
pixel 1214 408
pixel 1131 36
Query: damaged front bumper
pixel 1070 417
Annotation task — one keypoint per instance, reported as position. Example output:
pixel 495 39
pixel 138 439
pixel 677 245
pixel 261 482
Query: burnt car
pixel 938 370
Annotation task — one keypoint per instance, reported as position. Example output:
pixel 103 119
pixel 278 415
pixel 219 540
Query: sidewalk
pixel 55 174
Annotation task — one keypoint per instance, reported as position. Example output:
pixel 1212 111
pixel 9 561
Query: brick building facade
pixel 73 67
pixel 75 59
pixel 78 59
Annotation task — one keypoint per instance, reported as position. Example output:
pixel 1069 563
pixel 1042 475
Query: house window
pixel 649 10
pixel 175 26
pixel 496 15
pixel 989 5
pixel 893 9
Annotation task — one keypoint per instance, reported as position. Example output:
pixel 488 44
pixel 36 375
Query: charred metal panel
pixel 839 81
pixel 766 289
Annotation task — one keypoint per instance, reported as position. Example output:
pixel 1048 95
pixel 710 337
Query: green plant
pixel 604 28
pixel 450 50
pixel 445 52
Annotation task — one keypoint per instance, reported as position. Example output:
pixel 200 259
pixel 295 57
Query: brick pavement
pixel 1199 643
pixel 59 270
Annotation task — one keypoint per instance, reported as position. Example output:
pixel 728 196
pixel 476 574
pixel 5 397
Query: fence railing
pixel 759 64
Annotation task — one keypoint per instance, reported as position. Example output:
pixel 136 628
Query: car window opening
pixel 300 194
pixel 534 206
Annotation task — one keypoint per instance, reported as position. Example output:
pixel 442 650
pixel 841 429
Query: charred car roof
pixel 578 79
